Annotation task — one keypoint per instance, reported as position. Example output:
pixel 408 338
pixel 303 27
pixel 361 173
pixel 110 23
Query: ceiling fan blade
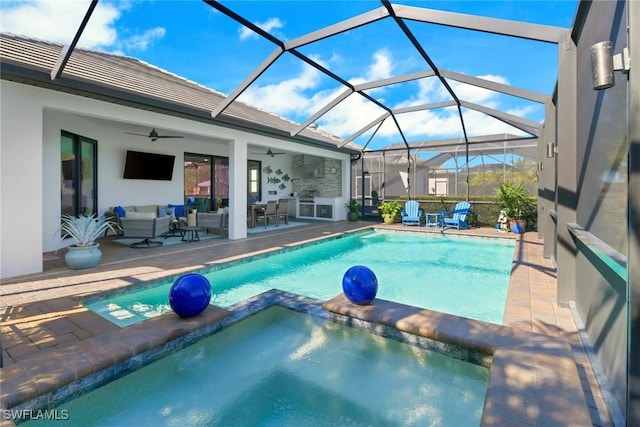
pixel 153 135
pixel 272 153
pixel 137 134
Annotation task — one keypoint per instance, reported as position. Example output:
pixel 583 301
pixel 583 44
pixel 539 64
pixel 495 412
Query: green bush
pixel 484 209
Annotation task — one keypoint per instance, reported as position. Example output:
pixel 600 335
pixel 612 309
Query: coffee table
pixel 189 233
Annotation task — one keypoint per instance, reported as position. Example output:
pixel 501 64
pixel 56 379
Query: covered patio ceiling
pixel 387 123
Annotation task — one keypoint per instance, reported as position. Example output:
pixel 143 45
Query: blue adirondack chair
pixel 457 218
pixel 411 213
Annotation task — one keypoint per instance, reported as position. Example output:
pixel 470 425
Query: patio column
pixel 237 189
pixel 566 195
pixel 21 133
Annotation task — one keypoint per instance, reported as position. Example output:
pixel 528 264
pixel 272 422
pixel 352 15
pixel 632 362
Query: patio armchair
pixel 218 221
pixel 411 214
pixel 282 211
pixel 269 212
pixel 457 218
pixel 146 229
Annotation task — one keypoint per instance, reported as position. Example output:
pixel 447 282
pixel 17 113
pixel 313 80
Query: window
pixel 254 182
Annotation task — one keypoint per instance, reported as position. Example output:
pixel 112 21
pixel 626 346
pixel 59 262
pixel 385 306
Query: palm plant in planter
pixel 389 211
pixel 84 230
pixel 516 202
pixel 353 207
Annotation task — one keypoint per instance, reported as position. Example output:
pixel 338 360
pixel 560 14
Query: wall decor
pixel 277 178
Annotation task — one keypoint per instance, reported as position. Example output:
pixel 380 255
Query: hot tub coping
pixel 533 378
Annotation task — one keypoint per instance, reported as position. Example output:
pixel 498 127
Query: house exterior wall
pixel 31 121
pixel 21 203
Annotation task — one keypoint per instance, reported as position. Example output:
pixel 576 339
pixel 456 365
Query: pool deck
pixel 50 339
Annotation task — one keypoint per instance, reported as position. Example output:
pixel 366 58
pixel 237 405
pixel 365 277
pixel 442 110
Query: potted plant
pixel 389 211
pixel 84 230
pixel 516 202
pixel 353 207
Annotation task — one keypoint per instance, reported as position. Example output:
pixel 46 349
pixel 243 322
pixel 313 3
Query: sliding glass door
pixel 197 181
pixel 207 178
pixel 79 186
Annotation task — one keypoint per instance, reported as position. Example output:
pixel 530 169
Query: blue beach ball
pixel 189 295
pixel 517 229
pixel 360 285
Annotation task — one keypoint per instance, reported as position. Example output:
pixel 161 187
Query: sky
pixel 193 40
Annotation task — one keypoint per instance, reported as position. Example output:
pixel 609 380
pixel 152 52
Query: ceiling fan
pixel 153 135
pixel 269 153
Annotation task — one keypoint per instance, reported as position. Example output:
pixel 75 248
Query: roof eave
pixel 40 77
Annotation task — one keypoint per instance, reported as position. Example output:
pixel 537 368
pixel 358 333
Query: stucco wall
pixel 31 122
pixel 21 205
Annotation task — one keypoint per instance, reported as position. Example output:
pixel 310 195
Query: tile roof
pixel 130 81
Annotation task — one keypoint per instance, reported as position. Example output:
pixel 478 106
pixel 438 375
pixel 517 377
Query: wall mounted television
pixel 140 165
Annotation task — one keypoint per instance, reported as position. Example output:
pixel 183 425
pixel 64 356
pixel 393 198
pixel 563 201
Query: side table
pixel 432 220
pixel 174 229
pixel 189 233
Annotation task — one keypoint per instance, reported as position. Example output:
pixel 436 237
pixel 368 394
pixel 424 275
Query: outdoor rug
pixel 48 256
pixel 260 227
pixel 168 241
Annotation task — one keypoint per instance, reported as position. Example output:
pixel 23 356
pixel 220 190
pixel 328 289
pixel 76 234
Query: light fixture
pixel 552 149
pixel 604 63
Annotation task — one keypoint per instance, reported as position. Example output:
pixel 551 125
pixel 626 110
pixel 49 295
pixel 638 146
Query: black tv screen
pixel 139 165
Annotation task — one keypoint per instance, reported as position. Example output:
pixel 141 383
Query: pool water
pixel 285 368
pixel 464 276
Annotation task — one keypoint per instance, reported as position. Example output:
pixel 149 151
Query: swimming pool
pixel 465 276
pixel 280 367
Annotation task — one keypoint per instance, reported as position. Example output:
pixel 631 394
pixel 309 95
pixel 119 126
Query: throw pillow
pixel 141 215
pixel 178 210
pixel 120 211
pixel 163 211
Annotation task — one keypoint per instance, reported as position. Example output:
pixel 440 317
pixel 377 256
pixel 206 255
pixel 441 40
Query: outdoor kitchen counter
pixel 323 208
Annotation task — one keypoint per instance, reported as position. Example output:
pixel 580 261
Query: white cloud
pixel 58 20
pixel 290 98
pixel 286 97
pixel 380 68
pixel 142 41
pixel 477 94
pixel 269 25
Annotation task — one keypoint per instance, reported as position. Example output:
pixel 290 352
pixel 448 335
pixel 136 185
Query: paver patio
pixel 41 315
